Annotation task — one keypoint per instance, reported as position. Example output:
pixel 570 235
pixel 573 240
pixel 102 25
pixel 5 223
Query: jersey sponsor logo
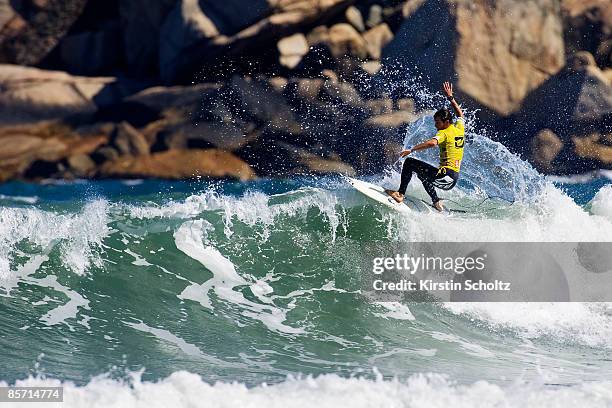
pixel 459 141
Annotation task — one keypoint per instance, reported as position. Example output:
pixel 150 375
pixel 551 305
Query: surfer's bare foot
pixel 396 195
pixel 438 205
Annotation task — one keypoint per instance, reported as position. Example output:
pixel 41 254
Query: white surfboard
pixel 377 193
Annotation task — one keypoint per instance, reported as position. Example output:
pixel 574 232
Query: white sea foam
pixel 190 239
pixel 66 311
pixel 601 204
pixel 167 337
pixel 84 234
pixel 555 217
pixel 549 216
pixel 395 310
pixel 581 178
pixel 470 348
pixel 21 199
pixel 580 323
pixel 11 280
pixel 183 389
pixel 80 235
pixel 253 208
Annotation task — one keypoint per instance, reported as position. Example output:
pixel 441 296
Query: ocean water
pixel 223 294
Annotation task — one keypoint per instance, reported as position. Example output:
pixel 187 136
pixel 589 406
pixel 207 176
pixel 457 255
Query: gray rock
pixel 342 91
pixel 545 146
pixel 180 164
pixel 7 12
pixel 185 26
pixel 81 165
pixel 376 39
pixel 371 67
pixel 586 98
pixel 30 94
pixel 259 102
pixel 92 52
pixel 604 54
pixel 281 159
pixel 375 17
pixel 344 40
pixel 292 49
pixel 588 27
pixel 353 16
pixel 142 21
pixel 498 59
pixel 105 153
pixel 379 106
pixel 27 36
pixel 199 33
pixel 306 88
pixel 205 135
pixel 161 98
pixel 130 141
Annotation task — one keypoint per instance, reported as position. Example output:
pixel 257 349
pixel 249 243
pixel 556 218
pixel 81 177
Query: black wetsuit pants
pixel 428 175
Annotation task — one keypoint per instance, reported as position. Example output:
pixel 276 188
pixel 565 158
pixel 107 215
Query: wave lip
pixel 601 204
pixel 588 324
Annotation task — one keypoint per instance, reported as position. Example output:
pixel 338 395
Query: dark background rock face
pixel 113 88
pixel 31 29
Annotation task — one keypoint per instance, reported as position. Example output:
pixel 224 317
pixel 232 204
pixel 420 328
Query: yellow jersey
pixel 450 142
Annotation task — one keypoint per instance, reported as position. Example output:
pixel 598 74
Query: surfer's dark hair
pixel 444 115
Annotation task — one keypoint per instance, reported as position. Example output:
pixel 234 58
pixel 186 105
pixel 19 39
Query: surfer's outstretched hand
pixel 405 153
pixel 447 88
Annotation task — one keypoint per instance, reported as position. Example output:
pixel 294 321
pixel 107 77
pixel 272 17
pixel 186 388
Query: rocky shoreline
pixel 263 88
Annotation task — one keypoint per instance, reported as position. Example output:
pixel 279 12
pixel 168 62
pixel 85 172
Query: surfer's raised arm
pixel 447 87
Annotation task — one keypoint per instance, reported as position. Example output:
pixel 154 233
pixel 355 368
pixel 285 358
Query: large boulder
pixel 169 101
pixel 588 27
pixel 81 165
pixel 206 135
pixel 95 52
pixel 292 49
pixel 18 152
pixel 305 161
pixel 338 47
pixel 254 100
pixel 142 21
pixel 608 74
pixel 30 94
pixel 592 148
pixel 376 39
pixel 545 147
pixel 276 158
pixel 200 33
pixel 497 51
pixel 37 150
pixel 179 164
pixel 198 116
pixel 344 40
pixel 353 16
pixel 130 141
pixel 30 29
pixel 576 100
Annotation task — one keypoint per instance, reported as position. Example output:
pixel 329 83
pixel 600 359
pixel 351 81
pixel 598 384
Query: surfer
pixel 450 139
